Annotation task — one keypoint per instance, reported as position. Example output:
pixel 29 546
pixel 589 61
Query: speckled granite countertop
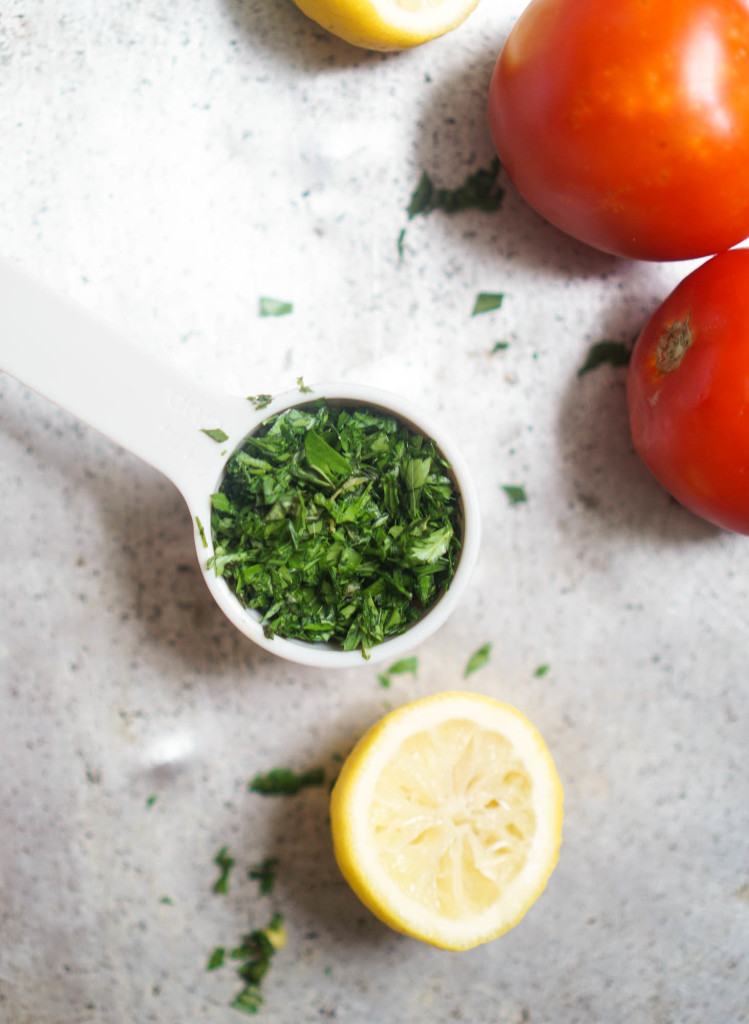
pixel 164 165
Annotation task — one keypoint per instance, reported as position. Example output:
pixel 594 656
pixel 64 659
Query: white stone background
pixel 164 164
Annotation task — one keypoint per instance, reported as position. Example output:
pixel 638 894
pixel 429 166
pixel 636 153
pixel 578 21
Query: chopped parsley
pixel 260 401
pixel 215 434
pixel 336 524
pixel 274 307
pixel 151 800
pixel 617 353
pixel 167 900
pixel 541 671
pixel 302 386
pixel 479 191
pixel 225 863
pixel 285 782
pixel 256 952
pixel 485 302
pixel 201 531
pixel 216 959
pixel 265 874
pixel 500 346
pixel 477 660
pixel 515 493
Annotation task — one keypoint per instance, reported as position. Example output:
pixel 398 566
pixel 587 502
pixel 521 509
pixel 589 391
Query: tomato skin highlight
pixel 626 123
pixel 690 424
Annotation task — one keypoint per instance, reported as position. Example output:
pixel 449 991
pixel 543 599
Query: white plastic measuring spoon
pixel 159 414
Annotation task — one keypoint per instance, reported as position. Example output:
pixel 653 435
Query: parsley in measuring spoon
pixel 336 524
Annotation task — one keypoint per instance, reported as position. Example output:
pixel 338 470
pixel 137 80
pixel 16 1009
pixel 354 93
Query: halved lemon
pixel 387 24
pixel 447 818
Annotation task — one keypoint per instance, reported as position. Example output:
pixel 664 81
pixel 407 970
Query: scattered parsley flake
pixel 486 302
pixel 285 782
pixel 617 353
pixel 515 493
pixel 166 899
pixel 302 386
pixel 216 959
pixel 477 660
pixel 151 800
pixel 257 951
pixel 398 668
pixel 201 531
pixel 499 346
pixel 274 307
pixel 215 434
pixel 336 524
pixel 541 671
pixel 479 191
pixel 260 401
pixel 265 874
pixel 401 243
pixel 225 862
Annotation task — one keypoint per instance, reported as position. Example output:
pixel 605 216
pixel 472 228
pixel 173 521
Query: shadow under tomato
pixel 453 140
pixel 603 474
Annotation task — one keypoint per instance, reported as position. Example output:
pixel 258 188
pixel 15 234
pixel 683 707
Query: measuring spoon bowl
pixel 160 414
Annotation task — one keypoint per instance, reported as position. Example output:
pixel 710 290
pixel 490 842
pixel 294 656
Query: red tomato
pixel 626 122
pixel 688 391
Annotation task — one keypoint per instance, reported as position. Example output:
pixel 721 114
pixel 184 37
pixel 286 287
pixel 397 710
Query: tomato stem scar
pixel 673 344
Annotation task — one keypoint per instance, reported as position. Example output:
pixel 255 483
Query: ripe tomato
pixel 688 391
pixel 626 122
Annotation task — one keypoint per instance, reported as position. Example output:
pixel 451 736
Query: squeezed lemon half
pixel 387 24
pixel 447 819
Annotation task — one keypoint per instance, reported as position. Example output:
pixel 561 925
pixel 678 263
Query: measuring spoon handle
pixel 141 403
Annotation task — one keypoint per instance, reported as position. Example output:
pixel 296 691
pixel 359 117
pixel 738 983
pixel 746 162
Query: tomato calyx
pixel 672 345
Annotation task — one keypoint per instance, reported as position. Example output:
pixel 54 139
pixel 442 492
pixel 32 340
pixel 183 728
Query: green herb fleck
pixel 201 531
pixel 285 782
pixel 401 244
pixel 151 800
pixel 336 524
pixel 225 863
pixel 617 353
pixel 477 660
pixel 479 191
pixel 515 493
pixel 265 874
pixel 215 435
pixel 166 899
pixel 274 307
pixel 487 301
pixel 541 671
pixel 260 401
pixel 500 346
pixel 302 386
pixel 256 952
pixel 328 970
pixel 404 665
pixel 216 959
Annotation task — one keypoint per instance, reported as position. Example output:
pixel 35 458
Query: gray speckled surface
pixel 165 165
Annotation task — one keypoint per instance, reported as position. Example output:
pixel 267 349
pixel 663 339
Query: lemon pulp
pixel 452 818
